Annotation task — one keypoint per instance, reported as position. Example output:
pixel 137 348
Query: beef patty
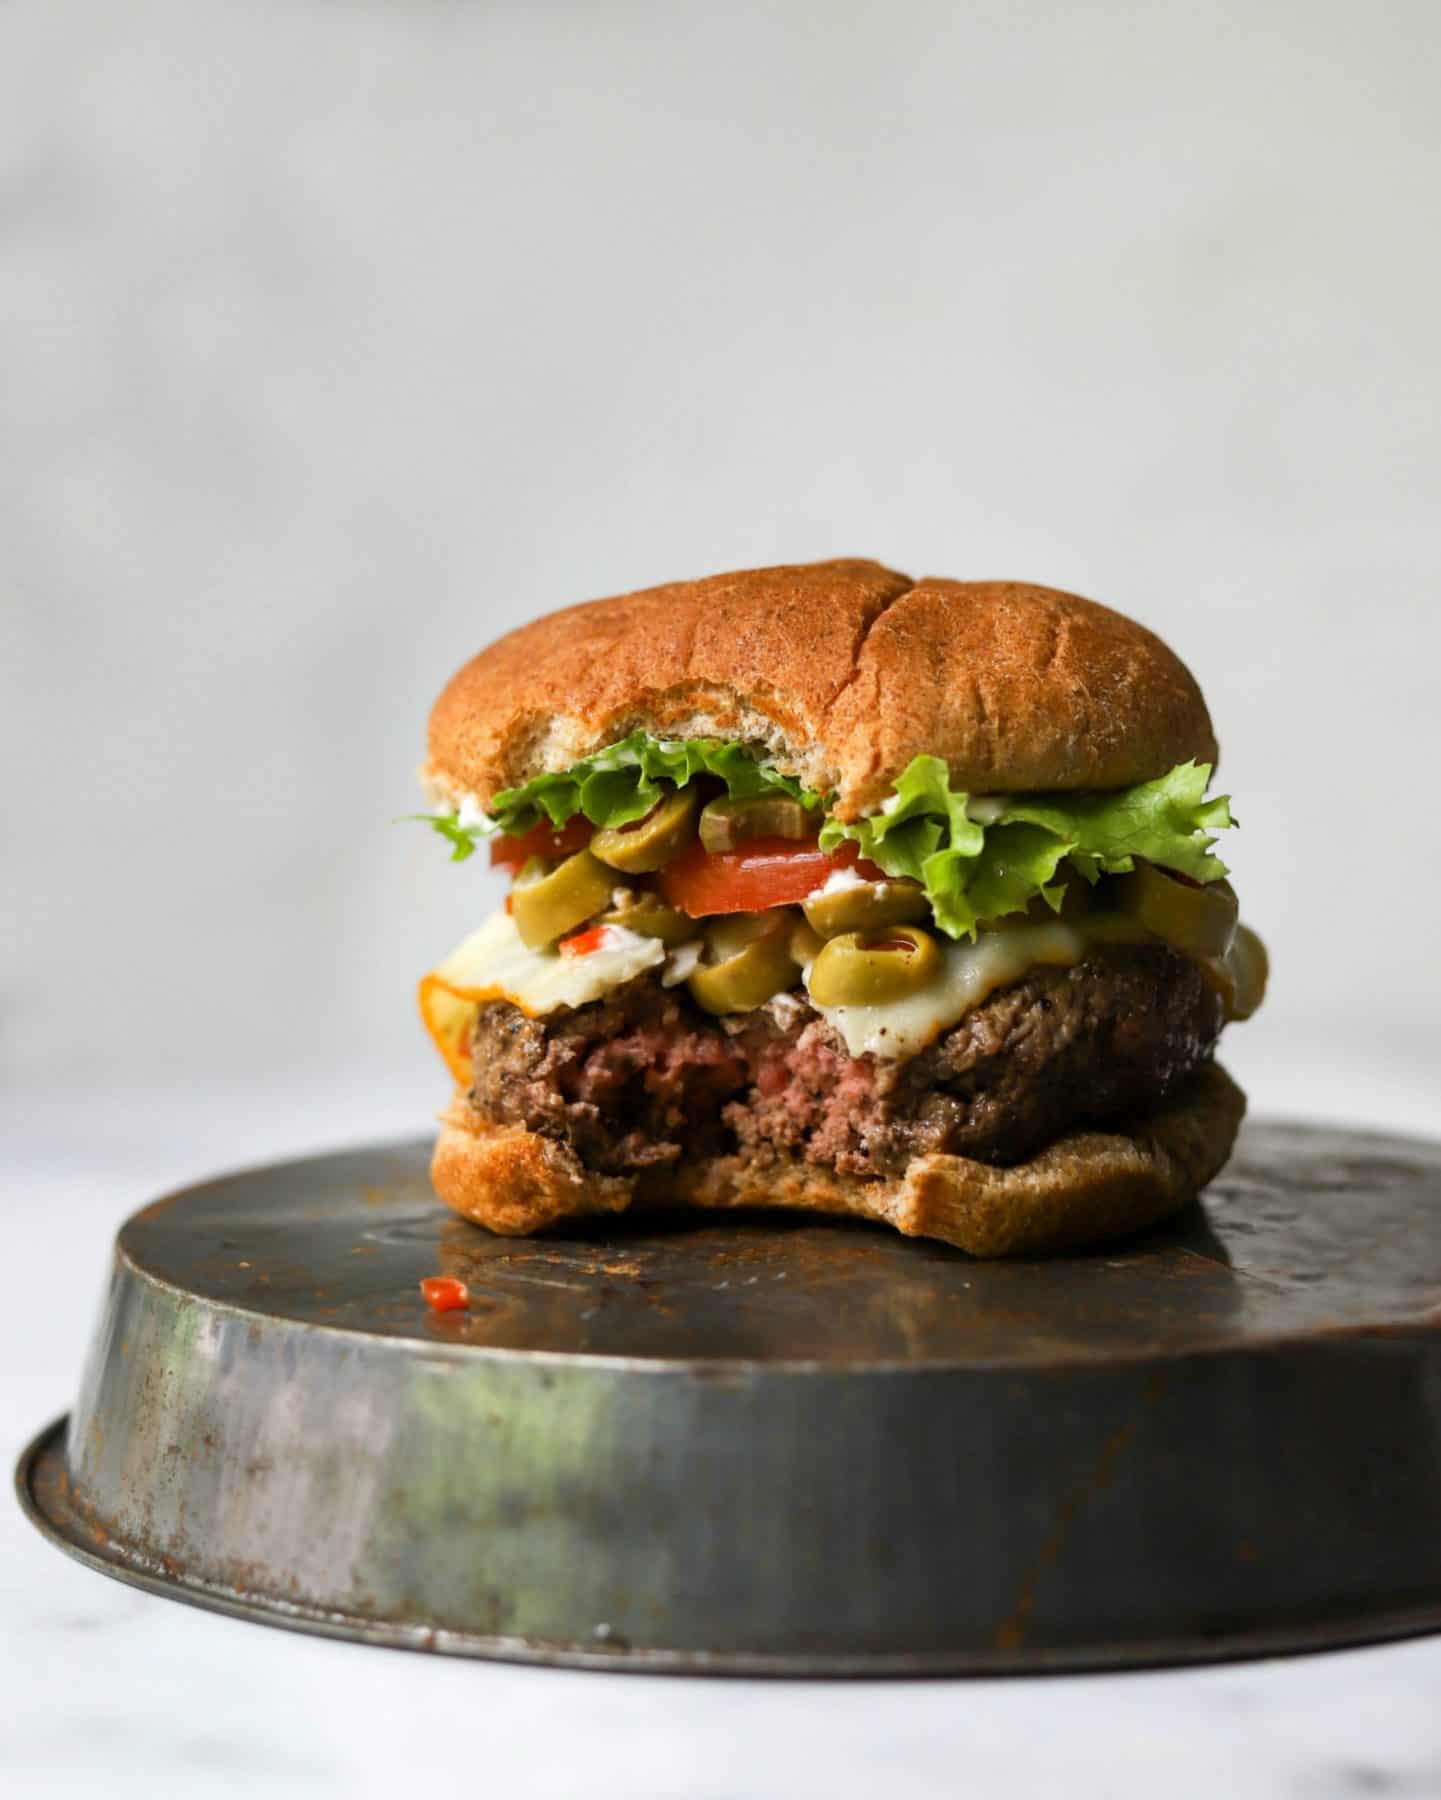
pixel 644 1077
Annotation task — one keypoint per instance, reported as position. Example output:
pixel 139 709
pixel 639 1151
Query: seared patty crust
pixel 644 1077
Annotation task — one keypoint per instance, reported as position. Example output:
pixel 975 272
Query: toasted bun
pixel 840 671
pixel 1086 1186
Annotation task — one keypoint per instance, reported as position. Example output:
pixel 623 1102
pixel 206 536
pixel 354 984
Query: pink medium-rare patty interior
pixel 645 1077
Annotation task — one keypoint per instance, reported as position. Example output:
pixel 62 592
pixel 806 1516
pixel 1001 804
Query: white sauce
pixel 681 962
pixel 787 1009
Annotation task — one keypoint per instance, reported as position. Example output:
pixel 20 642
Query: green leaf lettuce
pixel 980 859
pixel 620 784
pixel 973 871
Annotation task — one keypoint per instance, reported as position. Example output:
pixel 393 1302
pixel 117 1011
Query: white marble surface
pixel 110 1692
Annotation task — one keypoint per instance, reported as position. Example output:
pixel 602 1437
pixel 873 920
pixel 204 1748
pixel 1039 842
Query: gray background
pixel 337 338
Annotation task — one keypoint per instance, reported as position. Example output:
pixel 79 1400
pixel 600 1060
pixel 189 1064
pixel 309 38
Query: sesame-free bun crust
pixel 1086 1186
pixel 840 671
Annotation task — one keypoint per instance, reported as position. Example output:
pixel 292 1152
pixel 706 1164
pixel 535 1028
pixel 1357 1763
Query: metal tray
pixel 752 1444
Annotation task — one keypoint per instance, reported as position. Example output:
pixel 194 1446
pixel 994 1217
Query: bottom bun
pixel 1085 1186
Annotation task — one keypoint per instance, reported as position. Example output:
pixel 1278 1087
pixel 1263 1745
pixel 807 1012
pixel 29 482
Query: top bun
pixel 840 672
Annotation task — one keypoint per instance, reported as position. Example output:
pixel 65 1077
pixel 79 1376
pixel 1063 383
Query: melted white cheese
pixel 494 964
pixel 901 1028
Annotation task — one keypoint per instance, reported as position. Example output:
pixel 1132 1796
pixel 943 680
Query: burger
pixel 836 891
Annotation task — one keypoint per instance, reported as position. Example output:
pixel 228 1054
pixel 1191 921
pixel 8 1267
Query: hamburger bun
pixel 1085 1186
pixel 841 672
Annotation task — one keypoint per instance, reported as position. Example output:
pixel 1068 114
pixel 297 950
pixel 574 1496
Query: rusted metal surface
pixel 760 1444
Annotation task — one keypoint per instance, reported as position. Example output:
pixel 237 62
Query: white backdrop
pixel 336 338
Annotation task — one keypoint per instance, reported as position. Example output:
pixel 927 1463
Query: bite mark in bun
pixel 842 672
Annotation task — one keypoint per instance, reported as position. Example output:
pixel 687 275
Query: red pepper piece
pixel 443 1293
pixel 583 942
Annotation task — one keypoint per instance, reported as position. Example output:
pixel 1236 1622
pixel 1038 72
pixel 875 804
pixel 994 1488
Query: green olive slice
pixel 1240 976
pixel 650 917
pixel 866 906
pixel 870 968
pixel 1197 921
pixel 555 903
pixel 806 943
pixel 727 824
pixel 651 842
pixel 740 982
pixel 729 933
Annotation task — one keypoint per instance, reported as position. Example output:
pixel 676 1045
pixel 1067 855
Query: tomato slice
pixel 769 872
pixel 541 840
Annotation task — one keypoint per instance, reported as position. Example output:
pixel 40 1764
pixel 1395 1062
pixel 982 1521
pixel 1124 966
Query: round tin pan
pixel 752 1444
